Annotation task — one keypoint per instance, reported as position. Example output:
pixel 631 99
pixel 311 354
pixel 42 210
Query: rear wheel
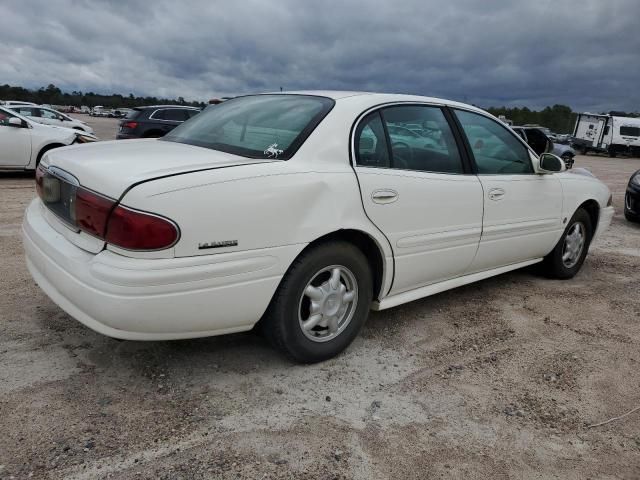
pixel 566 259
pixel 153 134
pixel 568 160
pixel 321 304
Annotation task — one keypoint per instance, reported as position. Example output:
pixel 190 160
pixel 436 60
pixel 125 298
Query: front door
pixel 15 150
pixel 417 192
pixel 522 210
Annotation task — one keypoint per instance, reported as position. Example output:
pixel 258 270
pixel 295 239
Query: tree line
pixel 52 95
pixel 559 118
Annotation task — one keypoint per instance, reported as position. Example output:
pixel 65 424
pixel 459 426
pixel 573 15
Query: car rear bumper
pixel 125 136
pixel 152 299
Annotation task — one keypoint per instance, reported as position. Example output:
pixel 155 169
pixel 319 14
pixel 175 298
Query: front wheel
pixel 566 259
pixel 321 304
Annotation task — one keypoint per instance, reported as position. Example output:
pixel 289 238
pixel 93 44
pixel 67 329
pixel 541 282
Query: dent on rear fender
pixel 273 209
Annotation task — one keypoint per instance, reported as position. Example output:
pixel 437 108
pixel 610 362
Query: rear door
pixel 522 210
pixel 169 118
pixel 417 191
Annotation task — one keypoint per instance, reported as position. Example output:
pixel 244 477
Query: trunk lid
pixel 110 168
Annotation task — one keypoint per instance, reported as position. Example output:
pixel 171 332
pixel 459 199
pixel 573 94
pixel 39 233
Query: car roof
pixel 165 106
pixel 374 98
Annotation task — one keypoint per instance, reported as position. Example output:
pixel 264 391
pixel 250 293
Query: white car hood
pixel 111 167
pixel 61 131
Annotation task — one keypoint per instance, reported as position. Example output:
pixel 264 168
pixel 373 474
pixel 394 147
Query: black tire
pixel 553 265
pixel 153 134
pixel 282 325
pixel 568 160
pixel 612 153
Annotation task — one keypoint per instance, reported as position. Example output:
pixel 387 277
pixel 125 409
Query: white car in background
pixel 49 116
pixel 23 142
pixel 296 211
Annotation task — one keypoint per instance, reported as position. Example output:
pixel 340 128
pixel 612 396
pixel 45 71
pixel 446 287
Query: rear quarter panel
pixel 258 206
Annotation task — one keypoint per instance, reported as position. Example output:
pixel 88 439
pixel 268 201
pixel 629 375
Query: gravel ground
pixel 494 380
pixel 105 128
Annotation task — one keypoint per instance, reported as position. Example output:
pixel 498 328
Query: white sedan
pixel 296 212
pixel 23 142
pixel 49 116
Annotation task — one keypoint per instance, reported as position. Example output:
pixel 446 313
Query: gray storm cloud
pixel 584 53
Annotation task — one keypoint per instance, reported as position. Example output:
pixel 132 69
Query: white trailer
pixel 607 133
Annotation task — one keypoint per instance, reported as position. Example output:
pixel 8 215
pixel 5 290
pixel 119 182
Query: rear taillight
pixel 130 125
pixel 135 230
pixel 102 217
pixel 40 173
pixel 92 212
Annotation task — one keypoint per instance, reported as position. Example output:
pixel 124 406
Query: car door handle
pixel 384 196
pixel 496 194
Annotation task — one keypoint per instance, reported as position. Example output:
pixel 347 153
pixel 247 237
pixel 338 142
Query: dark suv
pixel 154 121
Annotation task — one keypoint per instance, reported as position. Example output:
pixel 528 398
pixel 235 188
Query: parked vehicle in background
pixel 537 139
pixel 297 210
pixel 154 121
pixel 119 113
pixel 49 116
pixel 24 142
pixel 632 198
pixel 85 109
pixel 607 133
pixel 98 111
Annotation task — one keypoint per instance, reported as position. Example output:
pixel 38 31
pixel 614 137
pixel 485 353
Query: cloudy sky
pixel 583 53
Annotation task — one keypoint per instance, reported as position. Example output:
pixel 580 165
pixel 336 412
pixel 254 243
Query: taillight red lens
pixel 134 230
pixel 130 125
pixel 92 212
pixel 40 180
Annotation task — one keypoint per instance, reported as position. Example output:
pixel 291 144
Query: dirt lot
pixel 105 128
pixel 494 380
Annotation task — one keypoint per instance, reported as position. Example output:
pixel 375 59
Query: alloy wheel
pixel 328 303
pixel 573 245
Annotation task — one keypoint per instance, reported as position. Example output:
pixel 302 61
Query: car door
pixel 522 209
pixel 419 193
pixel 50 118
pixel 15 142
pixel 169 118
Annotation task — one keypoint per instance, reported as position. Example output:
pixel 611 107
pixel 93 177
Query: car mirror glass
pixel 550 163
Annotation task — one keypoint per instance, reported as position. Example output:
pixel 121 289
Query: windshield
pixel 259 126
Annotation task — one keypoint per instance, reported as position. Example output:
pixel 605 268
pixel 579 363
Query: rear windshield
pixel 630 131
pixel 131 114
pixel 259 126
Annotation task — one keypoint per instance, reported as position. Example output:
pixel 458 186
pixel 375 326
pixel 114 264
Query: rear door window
pixel 132 114
pixel 371 142
pixel 174 115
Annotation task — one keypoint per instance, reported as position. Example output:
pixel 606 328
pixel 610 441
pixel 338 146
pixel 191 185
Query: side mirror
pixel 17 122
pixel 550 163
